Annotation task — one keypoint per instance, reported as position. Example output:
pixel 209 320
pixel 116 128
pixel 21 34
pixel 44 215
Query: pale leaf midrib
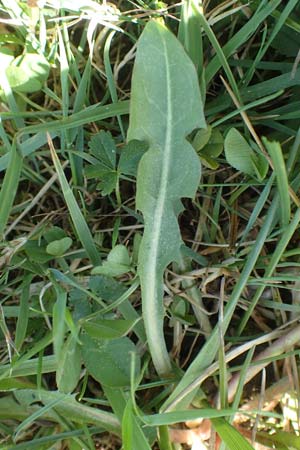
pixel 150 269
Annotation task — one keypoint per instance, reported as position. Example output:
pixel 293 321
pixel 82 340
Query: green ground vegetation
pixel 149 225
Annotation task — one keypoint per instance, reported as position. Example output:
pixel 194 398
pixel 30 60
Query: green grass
pixel 149 224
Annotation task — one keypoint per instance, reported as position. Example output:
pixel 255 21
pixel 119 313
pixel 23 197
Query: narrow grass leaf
pixel 90 114
pixel 69 367
pixel 110 77
pixel 189 32
pixel 170 418
pixel 67 406
pixel 36 415
pixel 230 436
pixel 59 311
pixel 9 186
pixel 165 107
pixel 220 55
pixel 133 437
pixel 79 222
pixel 275 152
pixel 23 316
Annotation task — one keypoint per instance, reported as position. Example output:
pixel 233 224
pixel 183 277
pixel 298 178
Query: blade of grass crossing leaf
pixel 110 77
pixel 79 222
pixel 230 436
pixel 275 152
pixel 9 186
pixel 22 321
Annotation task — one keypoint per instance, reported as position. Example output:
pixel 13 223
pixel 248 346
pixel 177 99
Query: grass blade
pixel 275 151
pixel 9 186
pixel 79 222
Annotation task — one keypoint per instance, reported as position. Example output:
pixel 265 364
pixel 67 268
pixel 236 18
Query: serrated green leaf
pixel 165 107
pixel 59 247
pixel 108 329
pixel 108 360
pixel 104 149
pixel 108 182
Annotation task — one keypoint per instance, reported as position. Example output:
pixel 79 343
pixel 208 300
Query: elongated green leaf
pixel 9 186
pixel 132 434
pixel 165 107
pixel 80 224
pixel 22 322
pixel 59 310
pixel 275 152
pixel 68 370
pixel 230 436
pixel 67 406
